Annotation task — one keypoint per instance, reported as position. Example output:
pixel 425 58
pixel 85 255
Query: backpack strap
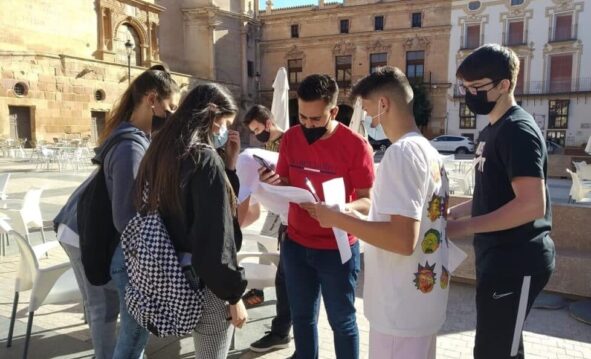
pixel 115 141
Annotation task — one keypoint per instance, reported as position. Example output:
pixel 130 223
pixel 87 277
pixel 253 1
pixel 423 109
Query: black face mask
pixel 313 134
pixel 264 136
pixel 158 121
pixel 479 103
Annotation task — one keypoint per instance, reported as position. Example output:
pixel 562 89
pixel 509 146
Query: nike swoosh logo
pixel 499 296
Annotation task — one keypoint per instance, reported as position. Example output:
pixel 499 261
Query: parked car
pixel 376 137
pixel 453 144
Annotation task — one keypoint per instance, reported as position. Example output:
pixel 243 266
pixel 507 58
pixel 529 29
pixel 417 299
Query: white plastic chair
pixel 580 190
pixel 49 285
pixel 4 177
pixel 260 273
pixel 25 214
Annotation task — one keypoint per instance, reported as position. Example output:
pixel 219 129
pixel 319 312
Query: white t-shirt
pixel 407 295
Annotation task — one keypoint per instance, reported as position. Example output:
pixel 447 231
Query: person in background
pixel 259 120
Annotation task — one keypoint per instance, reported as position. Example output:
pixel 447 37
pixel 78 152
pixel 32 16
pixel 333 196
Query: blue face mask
pixel 220 139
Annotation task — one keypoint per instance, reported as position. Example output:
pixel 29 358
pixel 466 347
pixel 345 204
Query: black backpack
pixel 98 236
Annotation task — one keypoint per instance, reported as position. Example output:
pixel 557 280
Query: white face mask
pixel 380 112
pixel 220 138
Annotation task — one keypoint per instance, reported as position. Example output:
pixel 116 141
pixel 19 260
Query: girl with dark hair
pixel 194 189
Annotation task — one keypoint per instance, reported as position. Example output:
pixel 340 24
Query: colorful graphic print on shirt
pixel 425 277
pixel 444 281
pixel 431 241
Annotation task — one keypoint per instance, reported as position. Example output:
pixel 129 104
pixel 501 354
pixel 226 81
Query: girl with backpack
pixel 194 190
pixel 141 110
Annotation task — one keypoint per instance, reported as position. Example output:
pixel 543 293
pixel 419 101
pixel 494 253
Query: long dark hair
pixel 154 79
pixel 187 129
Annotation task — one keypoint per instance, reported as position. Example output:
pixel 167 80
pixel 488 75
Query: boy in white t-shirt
pixel 406 259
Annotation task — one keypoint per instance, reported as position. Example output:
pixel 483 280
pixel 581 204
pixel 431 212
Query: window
pixel 99 95
pixel 468 135
pixel 520 82
pixel 563 27
pixel 378 23
pixel 294 71
pixel 515 35
pixel 250 68
pixel 295 31
pixel 343 70
pixel 377 60
pixel 516 2
pixel 474 5
pixel 417 19
pixel 558 114
pixel 472 36
pixel 557 137
pixel 344 26
pixel 125 33
pixel 20 89
pixel 467 117
pixel 561 67
pixel 415 65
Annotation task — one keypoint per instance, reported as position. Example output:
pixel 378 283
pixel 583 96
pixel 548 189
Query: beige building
pixel 348 40
pixel 62 67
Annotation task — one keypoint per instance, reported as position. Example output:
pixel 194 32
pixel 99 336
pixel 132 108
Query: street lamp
pixel 129 50
pixel 257 78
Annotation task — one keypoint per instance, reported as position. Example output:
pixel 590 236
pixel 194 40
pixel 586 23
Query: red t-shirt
pixel 344 154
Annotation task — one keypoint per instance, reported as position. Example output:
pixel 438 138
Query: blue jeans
pixel 101 304
pixel 308 272
pixel 132 338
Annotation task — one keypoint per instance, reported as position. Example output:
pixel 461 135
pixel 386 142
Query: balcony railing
pixel 549 87
pixel 466 44
pixel 557 35
pixel 515 41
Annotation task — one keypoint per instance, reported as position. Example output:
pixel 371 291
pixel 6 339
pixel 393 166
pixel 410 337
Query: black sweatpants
pixel 502 305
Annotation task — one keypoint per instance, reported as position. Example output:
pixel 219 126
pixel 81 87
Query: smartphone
pixel 263 162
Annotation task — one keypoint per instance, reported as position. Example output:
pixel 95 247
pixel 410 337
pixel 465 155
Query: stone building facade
pixel 348 40
pixel 549 37
pixel 63 67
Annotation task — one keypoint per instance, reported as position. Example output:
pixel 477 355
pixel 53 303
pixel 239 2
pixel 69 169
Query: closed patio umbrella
pixel 280 105
pixel 357 118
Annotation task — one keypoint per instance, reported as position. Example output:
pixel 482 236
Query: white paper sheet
pixel 247 170
pixel 456 257
pixel 277 198
pixel 334 196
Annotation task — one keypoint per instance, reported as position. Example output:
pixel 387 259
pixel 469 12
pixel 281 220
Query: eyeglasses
pixel 474 89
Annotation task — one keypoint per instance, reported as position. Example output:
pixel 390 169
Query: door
pixel 98 124
pixel 20 124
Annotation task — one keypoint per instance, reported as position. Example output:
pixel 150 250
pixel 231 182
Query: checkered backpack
pixel 161 296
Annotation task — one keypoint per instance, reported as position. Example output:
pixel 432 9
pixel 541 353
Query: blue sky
pixel 285 3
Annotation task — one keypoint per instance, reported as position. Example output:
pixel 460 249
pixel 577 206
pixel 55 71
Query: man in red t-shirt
pixel 321 149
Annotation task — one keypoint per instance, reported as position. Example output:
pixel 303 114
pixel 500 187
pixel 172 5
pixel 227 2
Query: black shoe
pixel 270 341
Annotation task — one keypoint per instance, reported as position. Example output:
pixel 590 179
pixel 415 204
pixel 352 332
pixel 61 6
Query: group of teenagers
pixel 187 155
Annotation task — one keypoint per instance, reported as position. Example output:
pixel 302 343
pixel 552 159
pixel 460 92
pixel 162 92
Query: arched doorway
pixel 345 114
pixel 127 32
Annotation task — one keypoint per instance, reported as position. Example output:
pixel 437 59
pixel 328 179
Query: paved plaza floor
pixel 59 330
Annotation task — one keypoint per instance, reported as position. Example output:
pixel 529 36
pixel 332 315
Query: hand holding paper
pixel 334 196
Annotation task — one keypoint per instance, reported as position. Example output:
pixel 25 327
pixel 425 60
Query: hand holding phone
pixel 263 162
